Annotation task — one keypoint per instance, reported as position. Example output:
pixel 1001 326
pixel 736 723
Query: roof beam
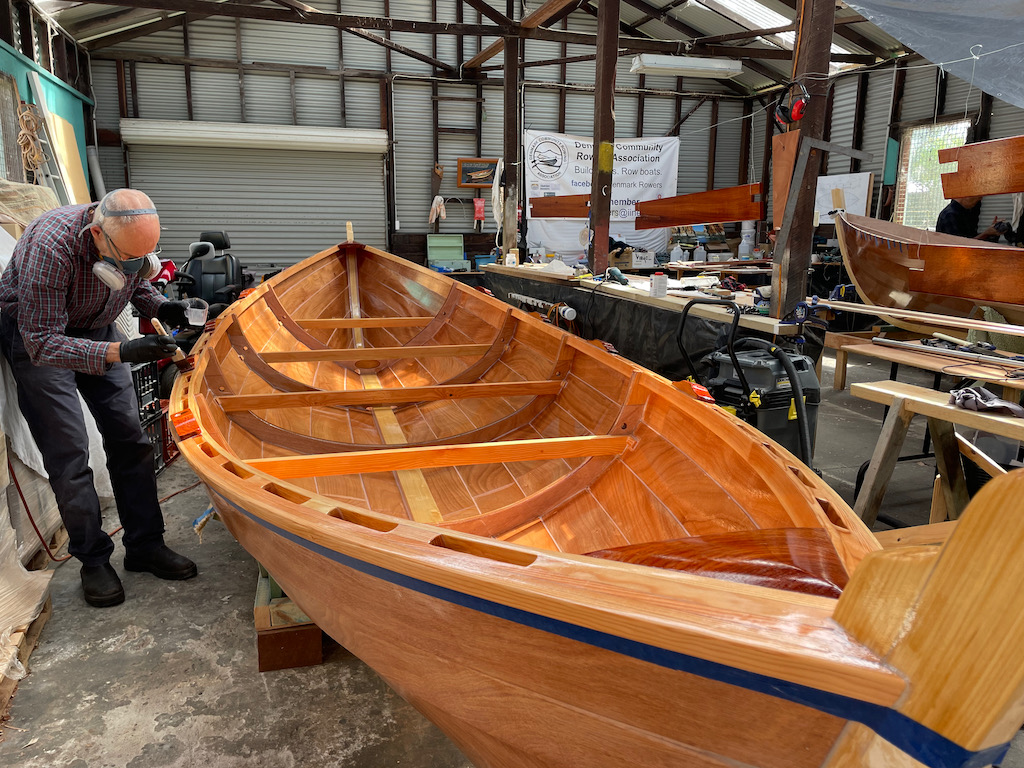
pixel 852 36
pixel 489 12
pixel 383 41
pixel 543 14
pixel 238 10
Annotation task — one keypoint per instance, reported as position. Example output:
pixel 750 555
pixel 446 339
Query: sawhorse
pixel 906 401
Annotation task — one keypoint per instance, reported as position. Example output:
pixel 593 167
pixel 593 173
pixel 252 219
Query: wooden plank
pixel 917 535
pixel 982 274
pixel 375 353
pixel 24 639
pixel 983 460
pixel 560 207
pixel 784 147
pixel 927 402
pixel 393 396
pixel 331 323
pixel 986 168
pixel 441 456
pixel 740 203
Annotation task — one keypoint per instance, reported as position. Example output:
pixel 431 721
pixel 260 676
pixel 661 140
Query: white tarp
pixel 980 43
pixel 561 164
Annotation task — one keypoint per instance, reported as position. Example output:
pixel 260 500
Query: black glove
pixel 172 313
pixel 147 349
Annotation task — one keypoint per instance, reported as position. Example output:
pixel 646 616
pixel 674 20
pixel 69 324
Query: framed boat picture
pixel 476 171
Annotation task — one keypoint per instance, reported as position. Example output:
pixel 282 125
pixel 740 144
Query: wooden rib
pixel 986 168
pixel 245 350
pixel 433 456
pixel 375 353
pixel 396 396
pixel 334 323
pixel 721 205
pixel 444 314
pixel 475 371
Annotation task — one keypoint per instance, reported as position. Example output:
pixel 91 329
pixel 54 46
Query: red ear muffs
pixel 784 115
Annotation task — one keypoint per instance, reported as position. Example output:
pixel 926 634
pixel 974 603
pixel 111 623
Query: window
pixel 919 197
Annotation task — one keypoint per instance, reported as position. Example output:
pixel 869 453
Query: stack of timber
pixel 561 559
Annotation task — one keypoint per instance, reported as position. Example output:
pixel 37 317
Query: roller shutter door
pixel 278 206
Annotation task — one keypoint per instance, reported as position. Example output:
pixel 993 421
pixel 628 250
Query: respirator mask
pixel 110 271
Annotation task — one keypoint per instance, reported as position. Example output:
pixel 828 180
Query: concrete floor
pixel 169 678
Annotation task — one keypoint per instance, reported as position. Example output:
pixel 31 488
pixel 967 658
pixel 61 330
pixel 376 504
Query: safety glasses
pixel 127 262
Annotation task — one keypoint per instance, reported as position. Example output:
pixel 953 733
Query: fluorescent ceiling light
pixel 685 66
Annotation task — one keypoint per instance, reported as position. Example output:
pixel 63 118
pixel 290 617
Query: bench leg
pixel 839 376
pixel 883 461
pixel 951 469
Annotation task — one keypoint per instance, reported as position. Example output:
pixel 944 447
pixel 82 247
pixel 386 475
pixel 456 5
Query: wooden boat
pixel 564 560
pixel 914 269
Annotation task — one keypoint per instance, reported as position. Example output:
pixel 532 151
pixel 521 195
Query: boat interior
pixel 378 385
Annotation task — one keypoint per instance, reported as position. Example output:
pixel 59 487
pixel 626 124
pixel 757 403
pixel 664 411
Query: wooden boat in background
pixel 914 269
pixel 563 560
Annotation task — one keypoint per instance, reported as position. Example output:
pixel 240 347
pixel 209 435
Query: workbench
pixel 927 361
pixel 642 329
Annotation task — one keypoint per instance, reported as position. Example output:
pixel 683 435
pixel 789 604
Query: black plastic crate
pixel 146 378
pixel 154 427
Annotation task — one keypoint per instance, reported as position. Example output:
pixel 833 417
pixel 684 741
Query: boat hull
pixel 430 496
pixel 912 269
pixel 511 694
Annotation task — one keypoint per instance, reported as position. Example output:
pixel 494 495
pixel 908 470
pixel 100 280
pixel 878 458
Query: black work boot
pixel 101 585
pixel 162 562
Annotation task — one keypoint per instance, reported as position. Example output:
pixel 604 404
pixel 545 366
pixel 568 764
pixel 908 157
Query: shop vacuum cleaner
pixel 773 389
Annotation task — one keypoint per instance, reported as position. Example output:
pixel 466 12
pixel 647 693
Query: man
pixel 961 216
pixel 73 271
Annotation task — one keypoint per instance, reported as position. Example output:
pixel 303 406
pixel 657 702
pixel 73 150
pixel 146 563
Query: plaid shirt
pixel 50 289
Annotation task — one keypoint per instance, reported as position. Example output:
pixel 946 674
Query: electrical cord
pixel 32 520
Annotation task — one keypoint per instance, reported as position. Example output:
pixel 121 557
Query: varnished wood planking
pixel 635 509
pixel 701 505
pixel 644 699
pixel 534 535
pixel 450 492
pixel 501 484
pixel 583 525
pixel 730 466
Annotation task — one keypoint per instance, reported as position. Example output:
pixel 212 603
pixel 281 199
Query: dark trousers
pixel 50 404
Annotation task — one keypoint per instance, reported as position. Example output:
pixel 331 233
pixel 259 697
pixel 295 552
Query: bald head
pixel 128 217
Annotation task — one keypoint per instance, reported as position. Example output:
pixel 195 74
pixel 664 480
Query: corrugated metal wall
pixel 693 148
pixel 844 104
pixel 278 206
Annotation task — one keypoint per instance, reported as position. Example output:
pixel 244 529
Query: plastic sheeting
pixel 978 42
pixel 640 332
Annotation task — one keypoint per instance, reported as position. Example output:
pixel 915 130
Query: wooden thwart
pixel 356 462
pixel 399 396
pixel 375 353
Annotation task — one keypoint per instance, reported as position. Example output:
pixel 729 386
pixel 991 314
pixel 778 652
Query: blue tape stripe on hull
pixel 919 742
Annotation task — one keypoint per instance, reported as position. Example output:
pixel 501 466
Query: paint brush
pixel 184 363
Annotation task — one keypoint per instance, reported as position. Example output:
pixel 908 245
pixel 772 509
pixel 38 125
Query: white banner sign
pixel 559 164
